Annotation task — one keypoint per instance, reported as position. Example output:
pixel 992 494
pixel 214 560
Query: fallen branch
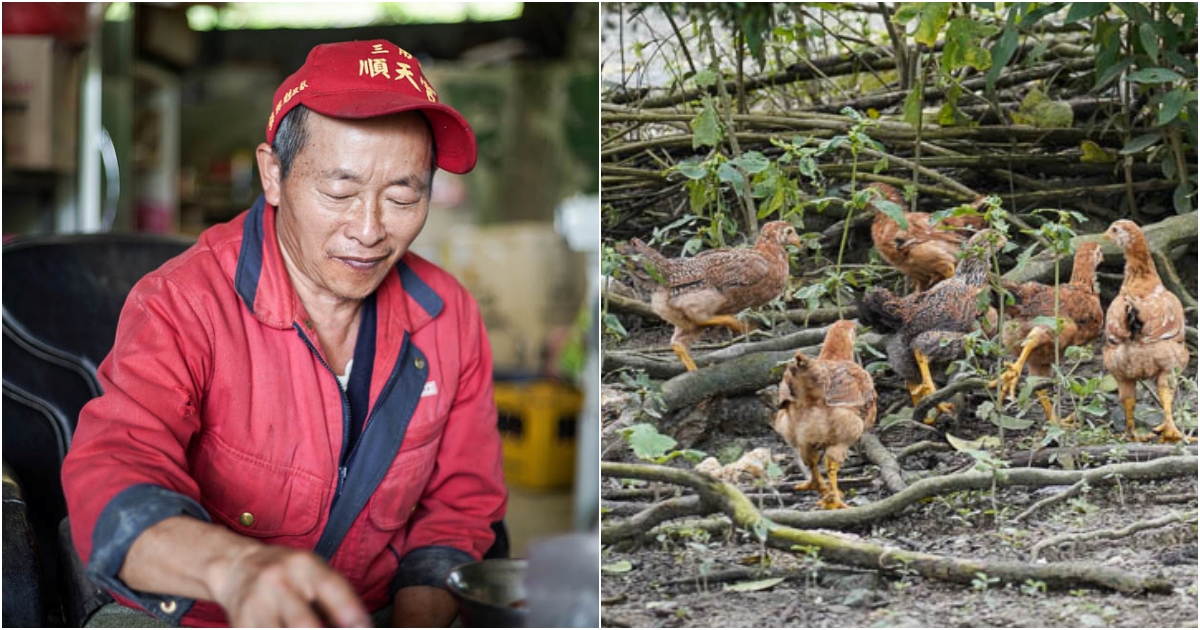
pixel 1050 500
pixel 1112 534
pixel 874 556
pixel 1046 457
pixel 1162 236
pixel 889 467
pixel 663 511
pixel 856 517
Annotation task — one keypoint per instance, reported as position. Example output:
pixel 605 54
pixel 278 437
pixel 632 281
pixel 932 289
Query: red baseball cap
pixel 365 79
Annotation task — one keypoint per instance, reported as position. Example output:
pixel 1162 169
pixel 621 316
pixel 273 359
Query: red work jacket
pixel 218 404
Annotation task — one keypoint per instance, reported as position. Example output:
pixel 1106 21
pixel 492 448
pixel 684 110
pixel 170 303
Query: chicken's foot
pixel 1167 431
pixel 1048 405
pixel 831 499
pixel 1129 402
pixel 812 460
pixel 1011 375
pixel 926 386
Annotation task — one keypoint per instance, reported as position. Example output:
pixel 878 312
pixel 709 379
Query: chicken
pixel 709 288
pixel 1078 307
pixel 825 405
pixel 1144 331
pixel 925 253
pixel 929 326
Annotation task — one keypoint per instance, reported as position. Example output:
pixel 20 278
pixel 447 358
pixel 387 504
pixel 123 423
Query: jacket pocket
pixel 254 497
pixel 398 494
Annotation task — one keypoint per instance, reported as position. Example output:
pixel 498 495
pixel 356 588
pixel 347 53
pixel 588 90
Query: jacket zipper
pixel 343 459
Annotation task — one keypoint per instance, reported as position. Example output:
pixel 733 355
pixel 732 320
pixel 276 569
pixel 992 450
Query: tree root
pixel 678 507
pixel 1112 534
pixel 856 517
pixel 889 466
pixel 841 550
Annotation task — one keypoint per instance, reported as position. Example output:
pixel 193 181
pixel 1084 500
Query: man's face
pixel 355 198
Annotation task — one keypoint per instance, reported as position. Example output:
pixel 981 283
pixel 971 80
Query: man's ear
pixel 269 172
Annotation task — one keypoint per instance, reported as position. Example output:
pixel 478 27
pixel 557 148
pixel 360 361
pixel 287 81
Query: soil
pixel 681 581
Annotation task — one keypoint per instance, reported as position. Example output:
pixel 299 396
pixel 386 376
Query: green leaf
pixel 893 210
pixel 647 442
pixel 1096 154
pixel 1172 104
pixel 1154 75
pixel 1149 38
pixel 913 103
pixel 1012 423
pixel 752 162
pixel 1183 198
pixel 930 18
pixel 729 175
pixel 1110 73
pixel 706 128
pixel 705 78
pixel 692 169
pixel 614 326
pixel 1141 143
pixel 1136 11
pixel 1002 53
pixel 756 585
pixel 624 566
pixel 1084 10
pixel 1042 11
pixel 963 37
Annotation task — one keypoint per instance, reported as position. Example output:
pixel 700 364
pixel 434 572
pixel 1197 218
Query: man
pixel 297 426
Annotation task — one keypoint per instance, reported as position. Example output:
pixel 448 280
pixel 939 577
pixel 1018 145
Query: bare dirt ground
pixel 682 579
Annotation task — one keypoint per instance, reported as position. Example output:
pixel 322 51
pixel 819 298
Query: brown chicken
pixel 825 405
pixel 925 253
pixel 1078 307
pixel 709 288
pixel 1144 331
pixel 929 326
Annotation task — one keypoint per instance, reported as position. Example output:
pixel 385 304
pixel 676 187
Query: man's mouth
pixel 361 264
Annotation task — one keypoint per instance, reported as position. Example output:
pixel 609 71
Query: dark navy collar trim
pixel 421 292
pixel 250 258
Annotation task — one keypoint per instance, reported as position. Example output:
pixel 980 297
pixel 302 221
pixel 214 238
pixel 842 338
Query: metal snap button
pixel 420 363
pixel 247 519
pixel 168 607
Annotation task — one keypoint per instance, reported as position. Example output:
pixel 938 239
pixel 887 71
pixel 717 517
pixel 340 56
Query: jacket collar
pixel 262 281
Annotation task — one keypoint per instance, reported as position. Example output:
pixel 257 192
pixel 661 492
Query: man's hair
pixel 292 135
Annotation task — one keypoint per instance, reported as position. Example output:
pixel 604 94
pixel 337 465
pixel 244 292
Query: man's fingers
pixel 295 612
pixel 340 603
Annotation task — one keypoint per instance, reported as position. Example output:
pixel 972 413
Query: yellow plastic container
pixel 537 425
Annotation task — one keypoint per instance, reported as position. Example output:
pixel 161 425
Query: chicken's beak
pixel 794 240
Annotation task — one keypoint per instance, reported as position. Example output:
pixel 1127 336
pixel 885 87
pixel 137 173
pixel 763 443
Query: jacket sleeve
pixel 127 469
pixel 466 493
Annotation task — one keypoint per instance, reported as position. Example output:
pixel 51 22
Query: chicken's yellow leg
pixel 812 459
pixel 1012 372
pixel 926 387
pixel 831 499
pixel 727 321
pixel 682 351
pixel 1167 432
pixel 1044 398
pixel 1129 402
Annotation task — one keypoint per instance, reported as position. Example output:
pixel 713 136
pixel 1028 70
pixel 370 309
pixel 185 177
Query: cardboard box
pixel 41 103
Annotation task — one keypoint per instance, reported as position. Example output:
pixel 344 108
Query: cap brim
pixel 456 151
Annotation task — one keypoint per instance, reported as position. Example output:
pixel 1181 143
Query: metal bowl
pixel 490 593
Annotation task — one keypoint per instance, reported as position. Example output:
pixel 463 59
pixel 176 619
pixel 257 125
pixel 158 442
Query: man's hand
pixel 256 584
pixel 270 586
pixel 423 607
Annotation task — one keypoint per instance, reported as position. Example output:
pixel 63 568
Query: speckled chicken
pixel 925 253
pixel 825 405
pixel 929 326
pixel 1144 332
pixel 709 288
pixel 1078 307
